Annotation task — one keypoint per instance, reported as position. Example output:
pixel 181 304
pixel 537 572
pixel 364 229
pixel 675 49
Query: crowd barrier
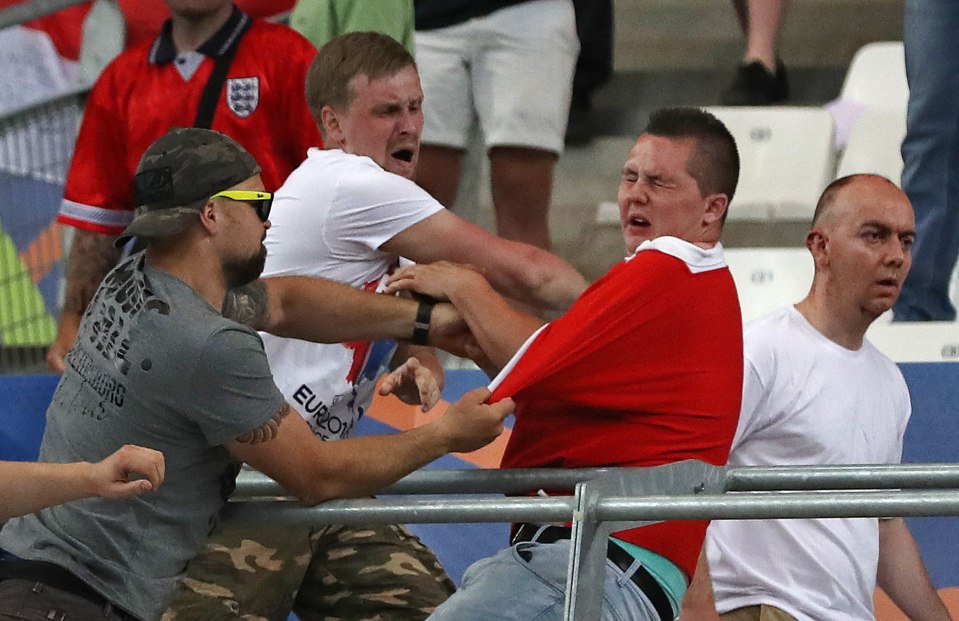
pixel 604 501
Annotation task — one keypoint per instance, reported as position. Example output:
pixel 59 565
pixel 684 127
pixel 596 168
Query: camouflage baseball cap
pixel 183 166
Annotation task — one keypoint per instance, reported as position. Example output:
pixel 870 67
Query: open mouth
pixel 888 282
pixel 638 222
pixel 405 155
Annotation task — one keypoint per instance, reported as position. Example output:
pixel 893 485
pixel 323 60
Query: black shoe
pixel 755 86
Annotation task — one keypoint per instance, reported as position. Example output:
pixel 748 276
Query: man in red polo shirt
pixel 159 84
pixel 645 369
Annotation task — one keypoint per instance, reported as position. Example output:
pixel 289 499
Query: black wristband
pixel 421 328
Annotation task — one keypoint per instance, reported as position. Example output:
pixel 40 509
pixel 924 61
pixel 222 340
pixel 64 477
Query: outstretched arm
pixel 518 271
pixel 324 311
pixel 26 487
pixel 314 471
pixel 902 574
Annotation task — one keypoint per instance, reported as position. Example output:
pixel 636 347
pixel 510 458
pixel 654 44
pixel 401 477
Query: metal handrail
pixel 748 479
pixel 609 499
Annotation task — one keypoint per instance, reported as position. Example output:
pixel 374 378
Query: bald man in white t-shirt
pixel 815 391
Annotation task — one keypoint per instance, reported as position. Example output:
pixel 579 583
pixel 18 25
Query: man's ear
pixel 209 217
pixel 818 244
pixel 331 126
pixel 716 206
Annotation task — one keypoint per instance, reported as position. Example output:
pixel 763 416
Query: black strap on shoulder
pixel 214 85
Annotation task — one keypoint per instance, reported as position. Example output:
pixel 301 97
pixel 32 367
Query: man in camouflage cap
pixel 156 364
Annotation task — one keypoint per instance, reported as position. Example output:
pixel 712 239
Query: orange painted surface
pixel 887 611
pixel 43 252
pixel 393 412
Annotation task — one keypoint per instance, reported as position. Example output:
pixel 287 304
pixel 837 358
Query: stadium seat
pixel 928 341
pixel 875 80
pixel 787 159
pixel 874 144
pixel 877 76
pixel 769 278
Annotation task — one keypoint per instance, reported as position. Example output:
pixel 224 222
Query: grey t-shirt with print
pixel 154 365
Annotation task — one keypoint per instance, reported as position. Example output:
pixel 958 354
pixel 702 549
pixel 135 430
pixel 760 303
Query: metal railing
pixel 606 500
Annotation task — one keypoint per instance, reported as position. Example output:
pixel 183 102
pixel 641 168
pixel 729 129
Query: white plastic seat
pixel 787 159
pixel 875 80
pixel 877 76
pixel 769 278
pixel 874 145
pixel 927 341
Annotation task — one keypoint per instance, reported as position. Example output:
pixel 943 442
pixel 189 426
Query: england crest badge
pixel 242 95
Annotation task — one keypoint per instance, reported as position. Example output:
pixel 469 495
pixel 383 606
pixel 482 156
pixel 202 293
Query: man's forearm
pixel 320 310
pixel 499 329
pixel 539 278
pixel 92 255
pixel 902 574
pixel 31 486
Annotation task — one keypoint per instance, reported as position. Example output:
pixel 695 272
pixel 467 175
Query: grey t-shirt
pixel 154 365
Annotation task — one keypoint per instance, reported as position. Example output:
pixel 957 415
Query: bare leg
pixel 762 34
pixel 438 172
pixel 522 185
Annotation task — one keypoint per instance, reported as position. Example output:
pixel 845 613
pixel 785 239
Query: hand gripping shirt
pixel 329 219
pixel 142 94
pixel 645 369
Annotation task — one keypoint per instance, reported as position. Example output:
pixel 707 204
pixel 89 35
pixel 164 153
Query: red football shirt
pixel 143 19
pixel 645 369
pixel 141 94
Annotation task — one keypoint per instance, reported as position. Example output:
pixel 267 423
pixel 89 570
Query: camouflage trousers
pixel 328 573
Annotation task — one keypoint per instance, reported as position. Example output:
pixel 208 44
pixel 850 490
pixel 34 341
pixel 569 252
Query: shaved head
pixel 846 188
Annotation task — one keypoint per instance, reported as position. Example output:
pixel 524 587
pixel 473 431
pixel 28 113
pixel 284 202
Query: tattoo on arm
pixel 92 255
pixel 268 430
pixel 247 304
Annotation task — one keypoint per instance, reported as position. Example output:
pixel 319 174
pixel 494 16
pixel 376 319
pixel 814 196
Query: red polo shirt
pixel 142 94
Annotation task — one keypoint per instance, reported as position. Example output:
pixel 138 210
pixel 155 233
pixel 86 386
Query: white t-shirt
pixel 329 219
pixel 808 400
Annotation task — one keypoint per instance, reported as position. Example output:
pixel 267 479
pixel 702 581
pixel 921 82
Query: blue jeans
pixel 930 156
pixel 508 586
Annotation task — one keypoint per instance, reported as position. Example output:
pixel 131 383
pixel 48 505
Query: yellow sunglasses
pixel 260 201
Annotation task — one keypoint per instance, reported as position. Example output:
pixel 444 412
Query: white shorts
pixel 513 69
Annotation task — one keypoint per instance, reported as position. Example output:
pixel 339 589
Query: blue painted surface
pixel 933 437
pixel 23 407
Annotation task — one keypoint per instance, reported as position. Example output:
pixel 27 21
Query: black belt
pixel 620 557
pixel 53 575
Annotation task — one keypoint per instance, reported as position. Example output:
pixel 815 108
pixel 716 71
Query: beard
pixel 239 272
